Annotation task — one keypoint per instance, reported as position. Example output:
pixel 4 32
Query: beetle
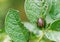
pixel 41 22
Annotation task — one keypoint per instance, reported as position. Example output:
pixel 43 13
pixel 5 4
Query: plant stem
pixel 40 38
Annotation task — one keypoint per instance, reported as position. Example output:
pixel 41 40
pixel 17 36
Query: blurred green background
pixel 4 6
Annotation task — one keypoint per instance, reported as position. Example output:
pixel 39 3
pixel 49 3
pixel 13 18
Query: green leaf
pixel 14 28
pixel 49 19
pixel 53 35
pixel 49 4
pixel 55 26
pixel 36 8
pixel 54 31
pixel 55 9
pixel 34 29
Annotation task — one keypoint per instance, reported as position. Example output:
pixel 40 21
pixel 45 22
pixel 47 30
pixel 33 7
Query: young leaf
pixel 36 8
pixel 53 35
pixel 55 9
pixel 14 28
pixel 34 29
pixel 55 26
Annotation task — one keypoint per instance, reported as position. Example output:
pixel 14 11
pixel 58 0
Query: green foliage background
pixel 4 6
pixel 34 9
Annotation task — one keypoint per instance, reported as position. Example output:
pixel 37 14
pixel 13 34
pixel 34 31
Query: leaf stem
pixel 40 38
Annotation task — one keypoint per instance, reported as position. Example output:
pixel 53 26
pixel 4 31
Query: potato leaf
pixel 49 19
pixel 36 8
pixel 53 35
pixel 55 9
pixel 54 32
pixel 55 26
pixel 14 28
pixel 32 28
